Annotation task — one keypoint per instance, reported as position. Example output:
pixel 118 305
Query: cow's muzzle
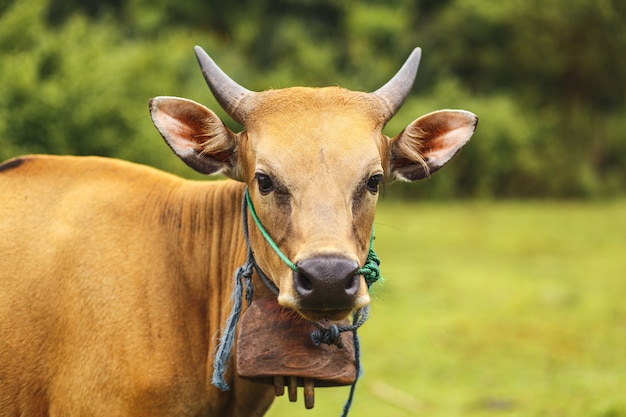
pixel 327 283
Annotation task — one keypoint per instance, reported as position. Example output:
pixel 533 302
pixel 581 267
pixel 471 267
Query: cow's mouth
pixel 324 315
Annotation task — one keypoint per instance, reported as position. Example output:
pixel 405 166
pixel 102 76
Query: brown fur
pixel 113 286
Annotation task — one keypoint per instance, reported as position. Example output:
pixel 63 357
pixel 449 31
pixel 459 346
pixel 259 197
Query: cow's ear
pixel 195 134
pixel 429 142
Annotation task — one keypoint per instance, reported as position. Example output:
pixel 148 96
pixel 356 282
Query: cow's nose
pixel 326 283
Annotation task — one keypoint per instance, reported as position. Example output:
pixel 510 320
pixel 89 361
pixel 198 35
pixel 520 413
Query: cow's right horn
pixel 234 99
pixel 393 94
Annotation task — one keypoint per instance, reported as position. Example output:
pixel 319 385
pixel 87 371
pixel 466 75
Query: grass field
pixel 493 309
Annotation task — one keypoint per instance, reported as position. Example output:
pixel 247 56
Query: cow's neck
pixel 205 218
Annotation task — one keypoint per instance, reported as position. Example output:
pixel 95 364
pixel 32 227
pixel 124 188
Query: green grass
pixel 493 309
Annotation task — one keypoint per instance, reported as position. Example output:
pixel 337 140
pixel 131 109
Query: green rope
pixel 370 271
pixel 267 235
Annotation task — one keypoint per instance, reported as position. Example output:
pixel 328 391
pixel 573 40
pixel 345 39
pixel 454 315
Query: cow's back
pixel 112 285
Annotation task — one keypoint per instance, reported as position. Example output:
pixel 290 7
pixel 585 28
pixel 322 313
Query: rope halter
pixel 243 278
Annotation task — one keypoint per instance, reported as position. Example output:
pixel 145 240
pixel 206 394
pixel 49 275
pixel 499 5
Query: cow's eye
pixel 265 183
pixel 372 183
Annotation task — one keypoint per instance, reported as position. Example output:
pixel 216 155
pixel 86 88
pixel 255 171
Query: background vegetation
pixel 546 77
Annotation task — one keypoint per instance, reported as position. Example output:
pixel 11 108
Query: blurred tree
pixel 561 61
pixel 547 50
pixel 81 88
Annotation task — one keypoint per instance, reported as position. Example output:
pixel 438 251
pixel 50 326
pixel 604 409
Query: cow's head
pixel 313 160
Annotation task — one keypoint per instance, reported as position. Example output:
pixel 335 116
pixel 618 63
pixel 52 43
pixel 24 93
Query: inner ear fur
pixel 195 134
pixel 429 142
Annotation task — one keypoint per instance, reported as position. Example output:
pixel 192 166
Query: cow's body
pixel 100 311
pixel 115 279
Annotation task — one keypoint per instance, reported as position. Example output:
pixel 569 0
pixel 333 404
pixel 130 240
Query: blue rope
pixel 332 336
pixel 243 278
pixel 357 355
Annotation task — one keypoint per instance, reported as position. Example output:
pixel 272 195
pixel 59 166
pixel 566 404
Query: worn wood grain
pixel 276 342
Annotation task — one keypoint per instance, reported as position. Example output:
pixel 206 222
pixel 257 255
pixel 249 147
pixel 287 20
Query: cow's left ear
pixel 429 142
pixel 195 134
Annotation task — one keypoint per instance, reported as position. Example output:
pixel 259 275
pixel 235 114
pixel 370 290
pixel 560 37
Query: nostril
pixel 352 284
pixel 303 284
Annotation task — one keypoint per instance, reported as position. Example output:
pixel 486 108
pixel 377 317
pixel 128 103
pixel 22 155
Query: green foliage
pixel 82 88
pixel 559 62
pixel 545 77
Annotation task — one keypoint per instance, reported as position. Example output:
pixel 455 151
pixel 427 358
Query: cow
pixel 115 278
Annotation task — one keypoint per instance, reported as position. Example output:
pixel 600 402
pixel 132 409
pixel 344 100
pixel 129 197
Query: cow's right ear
pixel 195 134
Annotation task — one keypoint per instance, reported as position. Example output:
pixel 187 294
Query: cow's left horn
pixel 393 94
pixel 235 99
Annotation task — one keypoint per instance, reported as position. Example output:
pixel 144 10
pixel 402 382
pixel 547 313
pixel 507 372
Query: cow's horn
pixel 235 99
pixel 393 94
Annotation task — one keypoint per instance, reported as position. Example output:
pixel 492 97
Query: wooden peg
pixel 292 389
pixel 309 393
pixel 279 385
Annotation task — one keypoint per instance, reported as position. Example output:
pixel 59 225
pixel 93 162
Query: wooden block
pixel 276 342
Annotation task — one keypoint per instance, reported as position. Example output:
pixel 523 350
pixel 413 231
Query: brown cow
pixel 115 278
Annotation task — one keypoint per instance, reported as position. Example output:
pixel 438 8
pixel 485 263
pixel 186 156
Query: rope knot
pixel 244 273
pixel 328 336
pixel 371 269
